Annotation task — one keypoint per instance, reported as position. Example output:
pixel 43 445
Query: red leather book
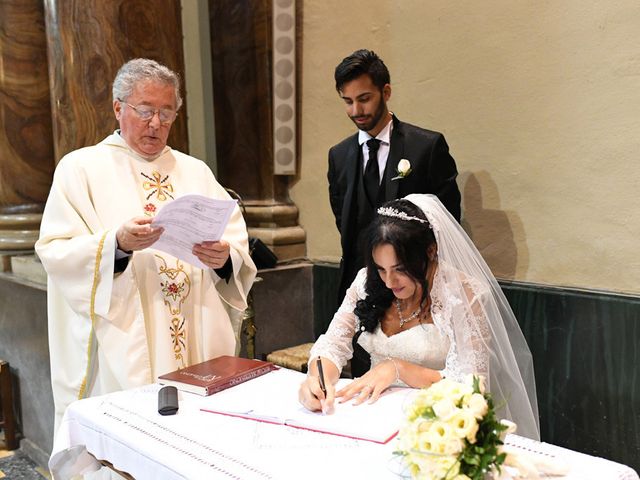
pixel 217 374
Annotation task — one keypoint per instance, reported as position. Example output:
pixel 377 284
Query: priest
pixel 120 312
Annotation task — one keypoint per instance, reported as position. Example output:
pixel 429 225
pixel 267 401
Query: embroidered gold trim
pixel 176 289
pixel 178 335
pixel 92 314
pixel 175 292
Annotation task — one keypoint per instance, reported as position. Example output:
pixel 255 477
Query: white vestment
pixel 111 331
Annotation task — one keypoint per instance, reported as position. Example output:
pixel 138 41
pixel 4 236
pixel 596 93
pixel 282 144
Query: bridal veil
pixel 511 378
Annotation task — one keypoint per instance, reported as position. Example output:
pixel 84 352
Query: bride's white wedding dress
pixel 474 330
pixel 431 345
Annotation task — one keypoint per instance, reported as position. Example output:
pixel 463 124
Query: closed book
pixel 217 374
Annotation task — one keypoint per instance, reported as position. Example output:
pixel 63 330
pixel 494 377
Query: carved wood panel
pixel 26 147
pixel 89 40
pixel 241 62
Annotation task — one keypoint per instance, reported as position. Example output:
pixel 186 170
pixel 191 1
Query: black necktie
pixel 371 173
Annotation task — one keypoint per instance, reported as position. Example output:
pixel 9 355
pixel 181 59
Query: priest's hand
pixel 212 254
pixel 137 234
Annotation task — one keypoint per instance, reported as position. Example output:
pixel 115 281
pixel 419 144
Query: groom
pixel 365 169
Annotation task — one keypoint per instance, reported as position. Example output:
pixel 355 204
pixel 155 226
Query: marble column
pixel 26 150
pixel 88 41
pixel 242 54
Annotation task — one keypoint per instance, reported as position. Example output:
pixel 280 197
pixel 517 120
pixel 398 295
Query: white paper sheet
pixel 191 219
pixel 272 399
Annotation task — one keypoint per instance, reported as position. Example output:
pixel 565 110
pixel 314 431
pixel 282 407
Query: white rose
pixel 441 431
pixel 444 409
pixel 451 446
pixel 404 166
pixel 458 390
pixel 464 424
pixel 438 467
pixel 481 381
pixel 424 442
pixel 424 425
pixel 445 388
pixel 477 405
pixel 421 402
pixel 511 428
pixel 407 439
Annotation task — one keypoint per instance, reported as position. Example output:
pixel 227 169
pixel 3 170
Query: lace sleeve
pixel 464 320
pixel 335 344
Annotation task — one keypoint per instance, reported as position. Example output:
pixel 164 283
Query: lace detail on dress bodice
pixel 455 352
pixel 422 345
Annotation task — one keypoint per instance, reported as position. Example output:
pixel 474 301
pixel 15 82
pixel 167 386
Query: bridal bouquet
pixel 451 433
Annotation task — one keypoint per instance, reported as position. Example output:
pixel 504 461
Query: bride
pixel 425 307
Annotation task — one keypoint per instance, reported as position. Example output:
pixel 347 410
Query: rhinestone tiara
pixel 392 212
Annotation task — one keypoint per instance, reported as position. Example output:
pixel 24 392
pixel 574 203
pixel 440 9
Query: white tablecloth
pixel 125 429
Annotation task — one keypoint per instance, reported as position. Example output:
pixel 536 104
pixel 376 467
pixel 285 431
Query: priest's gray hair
pixel 142 69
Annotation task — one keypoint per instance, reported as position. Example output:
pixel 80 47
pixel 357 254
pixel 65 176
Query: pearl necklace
pixel 410 317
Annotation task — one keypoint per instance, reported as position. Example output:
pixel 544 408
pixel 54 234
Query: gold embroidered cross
pixel 178 338
pixel 157 185
pixel 177 333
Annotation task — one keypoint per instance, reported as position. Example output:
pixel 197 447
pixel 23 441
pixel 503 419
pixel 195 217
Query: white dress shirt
pixel 383 152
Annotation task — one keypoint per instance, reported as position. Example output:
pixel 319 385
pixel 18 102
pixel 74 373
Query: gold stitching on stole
pixel 176 290
pixel 92 314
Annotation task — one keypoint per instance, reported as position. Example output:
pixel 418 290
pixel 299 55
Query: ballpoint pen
pixel 321 377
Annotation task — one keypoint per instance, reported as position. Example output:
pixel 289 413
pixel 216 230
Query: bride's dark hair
pixel 410 240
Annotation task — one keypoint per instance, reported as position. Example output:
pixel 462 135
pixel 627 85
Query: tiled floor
pixel 16 465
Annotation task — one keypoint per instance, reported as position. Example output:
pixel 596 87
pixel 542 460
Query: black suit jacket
pixel 433 171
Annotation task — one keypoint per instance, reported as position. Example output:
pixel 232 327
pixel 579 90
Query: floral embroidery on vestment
pixel 150 210
pixel 175 285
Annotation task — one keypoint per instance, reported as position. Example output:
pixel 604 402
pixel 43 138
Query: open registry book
pixel 273 398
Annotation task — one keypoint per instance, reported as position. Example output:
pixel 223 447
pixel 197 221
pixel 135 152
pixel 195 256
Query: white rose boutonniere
pixel 404 169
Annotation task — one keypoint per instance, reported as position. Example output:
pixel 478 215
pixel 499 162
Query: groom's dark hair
pixel 362 62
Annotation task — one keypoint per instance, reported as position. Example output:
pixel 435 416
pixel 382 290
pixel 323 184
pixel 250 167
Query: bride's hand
pixel 371 385
pixel 311 397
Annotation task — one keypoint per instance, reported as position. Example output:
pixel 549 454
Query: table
pixel 125 430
